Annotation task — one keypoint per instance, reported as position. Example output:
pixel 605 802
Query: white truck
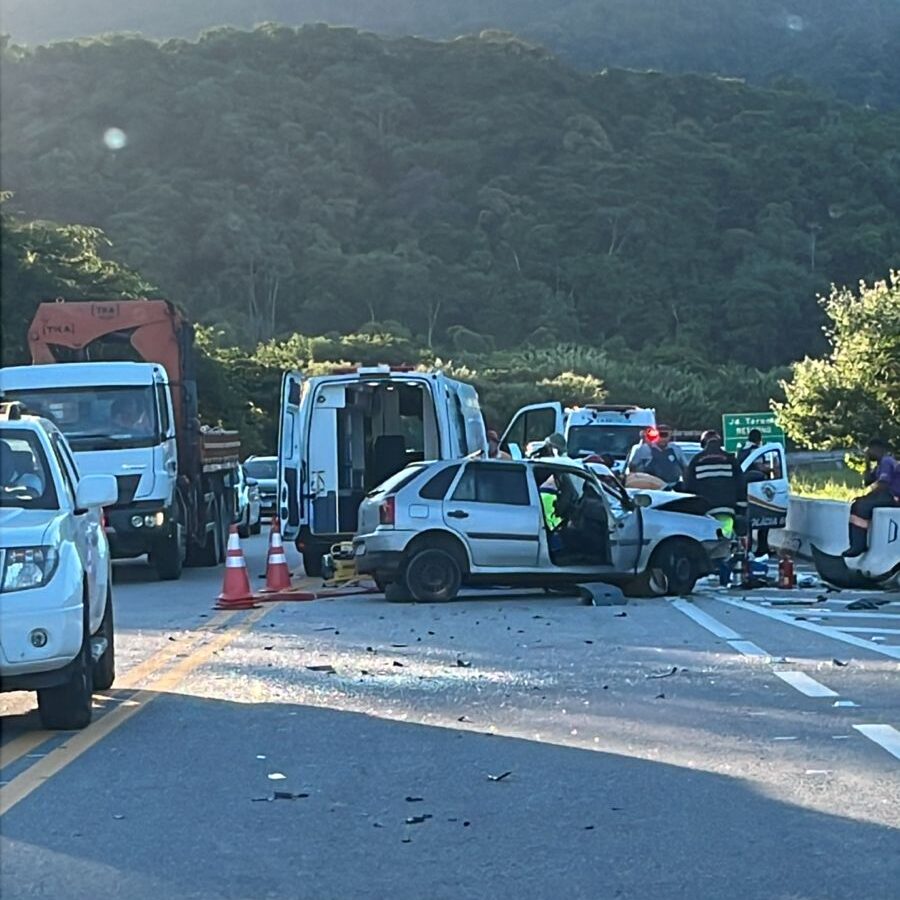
pixel 343 434
pixel 118 418
pixel 595 429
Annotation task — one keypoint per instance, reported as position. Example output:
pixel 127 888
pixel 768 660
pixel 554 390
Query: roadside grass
pixel 826 484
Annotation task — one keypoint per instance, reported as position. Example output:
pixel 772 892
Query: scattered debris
pixel 118 816
pixel 785 737
pixel 270 647
pixel 588 827
pixel 371 650
pixel 399 665
pixel 589 642
pixel 399 645
pixel 327 669
pixel 845 703
pixel 418 820
pixel 279 795
pixel 660 697
pixel 276 776
pixel 620 615
pixel 324 628
pixel 862 604
pixel 499 777
pixel 260 756
pixel 839 662
pixel 462 664
pixel 666 674
pixel 463 719
pixel 172 638
pixel 414 799
pixel 466 824
pixel 431 632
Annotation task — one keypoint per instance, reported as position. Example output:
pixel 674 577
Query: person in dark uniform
pixel 715 475
pixel 883 479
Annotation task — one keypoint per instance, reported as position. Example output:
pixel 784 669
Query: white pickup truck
pixel 56 609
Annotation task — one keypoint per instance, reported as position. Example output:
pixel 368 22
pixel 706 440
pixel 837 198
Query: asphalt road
pixel 729 745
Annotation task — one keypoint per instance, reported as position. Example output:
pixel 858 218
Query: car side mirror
pixel 96 490
pixel 251 482
pixel 642 500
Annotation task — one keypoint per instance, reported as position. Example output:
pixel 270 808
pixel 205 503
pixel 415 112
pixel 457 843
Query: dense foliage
pixel 479 192
pixel 848 47
pixel 42 261
pixel 854 392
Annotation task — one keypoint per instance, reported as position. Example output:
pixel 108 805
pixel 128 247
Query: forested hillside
pixel 848 47
pixel 479 192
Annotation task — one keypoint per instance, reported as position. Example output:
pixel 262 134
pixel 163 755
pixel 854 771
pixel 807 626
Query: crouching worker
pixel 883 478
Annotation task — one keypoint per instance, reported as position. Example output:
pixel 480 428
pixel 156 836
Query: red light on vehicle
pixel 652 434
pixel 387 511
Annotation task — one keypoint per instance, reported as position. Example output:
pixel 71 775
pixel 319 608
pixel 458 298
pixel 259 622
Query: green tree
pixel 853 392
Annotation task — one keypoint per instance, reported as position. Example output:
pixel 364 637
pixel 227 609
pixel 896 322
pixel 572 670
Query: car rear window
pixel 397 481
pixel 437 486
pixel 261 468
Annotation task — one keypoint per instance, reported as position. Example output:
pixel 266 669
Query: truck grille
pixel 127 488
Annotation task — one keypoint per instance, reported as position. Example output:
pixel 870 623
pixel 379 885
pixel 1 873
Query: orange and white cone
pixel 278 576
pixel 236 592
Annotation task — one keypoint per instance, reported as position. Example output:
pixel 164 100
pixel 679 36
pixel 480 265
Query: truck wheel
pixel 433 576
pixel 244 527
pixel 68 706
pixel 168 558
pixel 676 559
pixel 211 552
pixel 105 668
pixel 312 563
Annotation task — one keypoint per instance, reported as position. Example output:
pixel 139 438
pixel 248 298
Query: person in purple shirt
pixel 883 479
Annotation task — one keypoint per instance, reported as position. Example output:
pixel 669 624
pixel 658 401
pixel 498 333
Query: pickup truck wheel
pixel 105 668
pixel 68 706
pixel 168 558
pixel 676 559
pixel 433 576
pixel 312 563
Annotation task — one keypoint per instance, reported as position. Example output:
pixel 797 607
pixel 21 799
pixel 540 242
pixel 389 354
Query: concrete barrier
pixel 824 523
pixel 819 522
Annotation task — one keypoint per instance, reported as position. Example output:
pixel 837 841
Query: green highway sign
pixel 736 427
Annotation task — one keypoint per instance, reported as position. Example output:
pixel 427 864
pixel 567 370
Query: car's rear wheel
pixel 677 560
pixel 105 668
pixel 312 563
pixel 433 576
pixel 68 706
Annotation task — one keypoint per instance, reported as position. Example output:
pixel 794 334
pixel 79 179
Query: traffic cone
pixel 278 576
pixel 236 592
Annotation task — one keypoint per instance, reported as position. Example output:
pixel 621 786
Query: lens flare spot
pixel 114 138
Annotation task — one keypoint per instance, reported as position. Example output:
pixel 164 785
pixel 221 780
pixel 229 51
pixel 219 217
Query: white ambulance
pixel 343 434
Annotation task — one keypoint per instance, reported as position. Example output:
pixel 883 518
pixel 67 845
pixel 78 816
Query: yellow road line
pixel 58 758
pixel 18 747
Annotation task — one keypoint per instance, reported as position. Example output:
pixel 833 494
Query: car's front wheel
pixel 105 668
pixel 68 706
pixel 433 576
pixel 677 560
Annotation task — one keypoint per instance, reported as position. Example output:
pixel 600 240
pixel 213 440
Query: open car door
pixel 291 491
pixel 532 423
pixel 768 491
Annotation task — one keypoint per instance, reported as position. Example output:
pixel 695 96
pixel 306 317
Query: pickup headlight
pixel 28 567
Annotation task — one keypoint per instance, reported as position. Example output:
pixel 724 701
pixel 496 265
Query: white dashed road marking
pixel 806 685
pixel 706 621
pixel 748 648
pixel 885 736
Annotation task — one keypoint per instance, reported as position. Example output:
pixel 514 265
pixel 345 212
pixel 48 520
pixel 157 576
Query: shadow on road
pixel 175 804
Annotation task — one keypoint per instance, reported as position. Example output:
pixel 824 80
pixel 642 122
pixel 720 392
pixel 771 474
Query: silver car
pixel 434 527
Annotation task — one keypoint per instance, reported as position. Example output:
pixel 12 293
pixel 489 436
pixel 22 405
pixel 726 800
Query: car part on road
pixel 835 571
pixel 599 594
